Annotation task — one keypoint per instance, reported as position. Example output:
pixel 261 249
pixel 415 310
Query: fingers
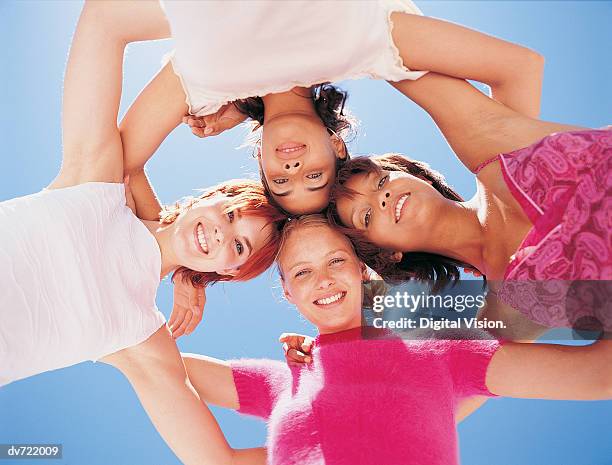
pixel 197 310
pixel 295 357
pixel 297 341
pixel 180 330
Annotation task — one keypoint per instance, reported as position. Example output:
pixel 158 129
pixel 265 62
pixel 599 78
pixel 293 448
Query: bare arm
pixel 475 126
pixel 513 72
pixel 92 148
pixel 549 371
pixel 213 380
pixel 155 113
pixel 156 371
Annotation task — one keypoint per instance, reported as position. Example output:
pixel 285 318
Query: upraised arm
pixel 513 72
pixel 475 126
pixel 549 371
pixel 92 87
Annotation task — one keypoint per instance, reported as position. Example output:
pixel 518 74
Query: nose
pixel 218 235
pixel 384 199
pixel 325 280
pixel 292 167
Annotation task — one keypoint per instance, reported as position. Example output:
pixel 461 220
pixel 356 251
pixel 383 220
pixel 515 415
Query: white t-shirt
pixel 78 278
pixel 228 50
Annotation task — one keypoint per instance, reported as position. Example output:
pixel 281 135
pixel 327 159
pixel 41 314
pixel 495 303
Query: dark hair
pixel 422 266
pixel 329 102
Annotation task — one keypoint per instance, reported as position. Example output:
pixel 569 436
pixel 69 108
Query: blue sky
pixel 93 411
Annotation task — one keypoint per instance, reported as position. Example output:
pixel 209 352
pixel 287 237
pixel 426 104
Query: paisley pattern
pixel 564 185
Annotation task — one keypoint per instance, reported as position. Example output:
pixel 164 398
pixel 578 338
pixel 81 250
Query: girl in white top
pixel 281 51
pixel 79 271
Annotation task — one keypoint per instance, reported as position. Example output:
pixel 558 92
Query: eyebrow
pixel 322 186
pixel 306 263
pixel 311 189
pixel 248 244
pixel 284 194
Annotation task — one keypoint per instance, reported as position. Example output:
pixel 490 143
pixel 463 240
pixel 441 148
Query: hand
pixel 188 308
pixel 225 118
pixel 297 348
pixel 129 197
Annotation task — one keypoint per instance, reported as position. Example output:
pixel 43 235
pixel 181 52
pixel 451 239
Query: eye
pixel 301 273
pixel 280 181
pixel 382 181
pixel 230 216
pixel 239 246
pixel 314 175
pixel 367 217
pixel 337 261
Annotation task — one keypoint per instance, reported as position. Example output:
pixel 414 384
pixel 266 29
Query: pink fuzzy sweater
pixel 363 401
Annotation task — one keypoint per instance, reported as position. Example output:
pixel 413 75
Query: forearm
pixel 156 371
pixel 185 422
pixel 550 371
pixel 148 206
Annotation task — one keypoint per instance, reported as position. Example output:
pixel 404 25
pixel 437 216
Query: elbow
pixel 535 62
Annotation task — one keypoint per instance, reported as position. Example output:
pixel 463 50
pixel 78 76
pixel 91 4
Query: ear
pixel 394 257
pixel 339 146
pixel 286 292
pixel 365 273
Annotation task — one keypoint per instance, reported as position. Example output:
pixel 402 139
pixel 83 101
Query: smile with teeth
pixel 399 205
pixel 201 238
pixel 330 300
pixel 290 147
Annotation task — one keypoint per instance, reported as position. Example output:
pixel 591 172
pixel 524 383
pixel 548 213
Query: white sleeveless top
pixel 228 50
pixel 78 278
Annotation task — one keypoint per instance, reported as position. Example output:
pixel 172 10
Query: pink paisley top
pixel 563 183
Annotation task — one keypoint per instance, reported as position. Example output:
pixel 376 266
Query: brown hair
pixel 248 196
pixel 329 102
pixel 422 266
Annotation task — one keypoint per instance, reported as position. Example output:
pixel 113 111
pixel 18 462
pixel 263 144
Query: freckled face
pixel 298 160
pixel 396 210
pixel 208 238
pixel 322 277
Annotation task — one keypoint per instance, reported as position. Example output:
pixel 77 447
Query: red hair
pixel 250 198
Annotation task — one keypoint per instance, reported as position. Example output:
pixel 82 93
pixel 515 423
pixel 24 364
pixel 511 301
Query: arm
pixel 513 72
pixel 92 87
pixel 549 371
pixel 475 126
pixel 156 371
pixel 155 113
pixel 213 380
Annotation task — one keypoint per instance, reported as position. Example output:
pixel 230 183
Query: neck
pixel 162 233
pixel 296 100
pixel 461 235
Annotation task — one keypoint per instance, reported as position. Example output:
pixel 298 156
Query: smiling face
pixel 298 160
pixel 322 277
pixel 207 238
pixel 395 210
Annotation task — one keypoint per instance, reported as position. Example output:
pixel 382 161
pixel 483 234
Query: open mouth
pixel 399 205
pixel 290 149
pixel 331 300
pixel 200 238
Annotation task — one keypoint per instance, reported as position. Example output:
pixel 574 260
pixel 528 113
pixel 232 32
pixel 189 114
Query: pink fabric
pixel 365 402
pixel 564 185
